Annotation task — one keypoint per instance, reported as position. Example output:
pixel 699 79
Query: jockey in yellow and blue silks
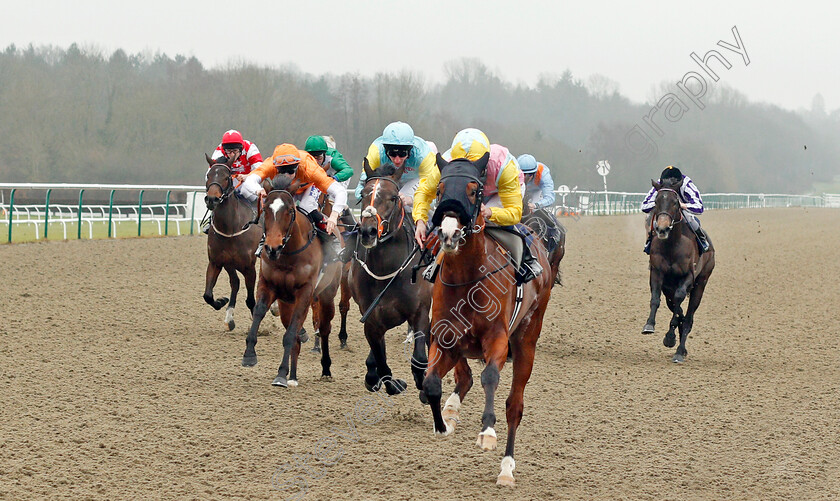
pixel 539 186
pixel 399 146
pixel 503 190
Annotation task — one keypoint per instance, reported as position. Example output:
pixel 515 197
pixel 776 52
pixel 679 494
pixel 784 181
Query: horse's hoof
pixel 280 381
pixel 670 340
pixel 343 344
pixel 448 431
pixel 303 336
pixel 371 387
pixel 326 378
pixel 231 324
pixel 648 329
pixel 423 398
pixel 220 303
pixel 487 440
pixel 274 309
pixel 506 475
pixel 395 386
pixel 678 359
pixel 505 480
pixel 316 349
pixel 249 361
pixel 293 383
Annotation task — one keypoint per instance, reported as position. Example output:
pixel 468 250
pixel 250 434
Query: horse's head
pixel 666 209
pixel 280 214
pixel 459 196
pixel 383 211
pixel 219 182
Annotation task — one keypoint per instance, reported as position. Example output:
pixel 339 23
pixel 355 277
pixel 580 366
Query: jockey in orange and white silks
pixel 246 154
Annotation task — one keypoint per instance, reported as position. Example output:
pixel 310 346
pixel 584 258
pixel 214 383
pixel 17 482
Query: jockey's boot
pixel 206 228
pixel 647 242
pixel 530 267
pixel 702 240
pixel 260 246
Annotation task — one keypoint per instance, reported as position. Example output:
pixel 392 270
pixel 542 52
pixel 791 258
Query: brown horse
pixel 290 272
pixel 478 311
pixel 383 255
pixel 676 266
pixel 231 240
pixel 346 221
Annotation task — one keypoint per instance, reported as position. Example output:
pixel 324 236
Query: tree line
pixel 78 115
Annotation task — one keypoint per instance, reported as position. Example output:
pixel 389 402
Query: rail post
pixel 79 234
pixel 140 212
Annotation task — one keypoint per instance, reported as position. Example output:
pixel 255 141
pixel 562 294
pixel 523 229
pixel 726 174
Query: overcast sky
pixel 793 48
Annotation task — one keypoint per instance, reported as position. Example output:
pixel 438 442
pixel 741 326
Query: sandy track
pixel 117 381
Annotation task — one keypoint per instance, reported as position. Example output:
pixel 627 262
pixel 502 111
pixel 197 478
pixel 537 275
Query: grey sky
pixel 794 48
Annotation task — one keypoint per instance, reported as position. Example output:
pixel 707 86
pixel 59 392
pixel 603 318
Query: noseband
pixel 674 221
pixel 383 226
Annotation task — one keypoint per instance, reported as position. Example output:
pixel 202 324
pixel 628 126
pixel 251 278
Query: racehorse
pixel 478 311
pixel 346 221
pixel 385 258
pixel 553 235
pixel 231 241
pixel 676 266
pixel 290 271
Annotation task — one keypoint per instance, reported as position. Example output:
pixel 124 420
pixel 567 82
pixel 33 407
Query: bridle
pixel 670 216
pixel 476 207
pixel 226 191
pixel 288 234
pixel 384 231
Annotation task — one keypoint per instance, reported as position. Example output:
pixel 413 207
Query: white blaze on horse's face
pixel 451 234
pixel 276 205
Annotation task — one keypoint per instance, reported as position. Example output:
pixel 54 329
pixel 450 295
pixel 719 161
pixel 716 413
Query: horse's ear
pixel 441 163
pixel 481 163
pixel 368 170
pixel 209 161
pixel 229 162
pixel 398 173
pixel 656 185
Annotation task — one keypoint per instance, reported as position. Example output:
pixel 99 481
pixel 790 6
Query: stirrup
pixel 430 273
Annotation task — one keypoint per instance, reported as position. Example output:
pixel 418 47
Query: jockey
pixel 288 160
pixel 245 154
pixel 503 190
pixel 398 145
pixel 333 164
pixel 539 187
pixel 690 203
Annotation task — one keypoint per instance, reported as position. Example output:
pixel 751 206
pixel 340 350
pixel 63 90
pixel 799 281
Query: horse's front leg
pixel 463 383
pixel 440 362
pixel 343 308
pixel 290 337
pixel 419 361
pixel 210 278
pixel 250 274
pixel 234 292
pixel 265 296
pixel 495 349
pixel 325 315
pixel 683 322
pixel 375 335
pixel 655 298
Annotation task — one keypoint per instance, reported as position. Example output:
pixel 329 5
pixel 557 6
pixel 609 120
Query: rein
pixel 383 226
pixel 226 194
pixel 479 199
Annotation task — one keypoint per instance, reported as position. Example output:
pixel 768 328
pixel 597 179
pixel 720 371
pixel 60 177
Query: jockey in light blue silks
pixel 539 187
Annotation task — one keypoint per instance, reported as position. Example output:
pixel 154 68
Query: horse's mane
pixel 282 183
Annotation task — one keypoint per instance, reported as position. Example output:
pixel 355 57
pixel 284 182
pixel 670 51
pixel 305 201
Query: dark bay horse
pixel 381 253
pixel 290 272
pixel 676 266
pixel 231 241
pixel 478 311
